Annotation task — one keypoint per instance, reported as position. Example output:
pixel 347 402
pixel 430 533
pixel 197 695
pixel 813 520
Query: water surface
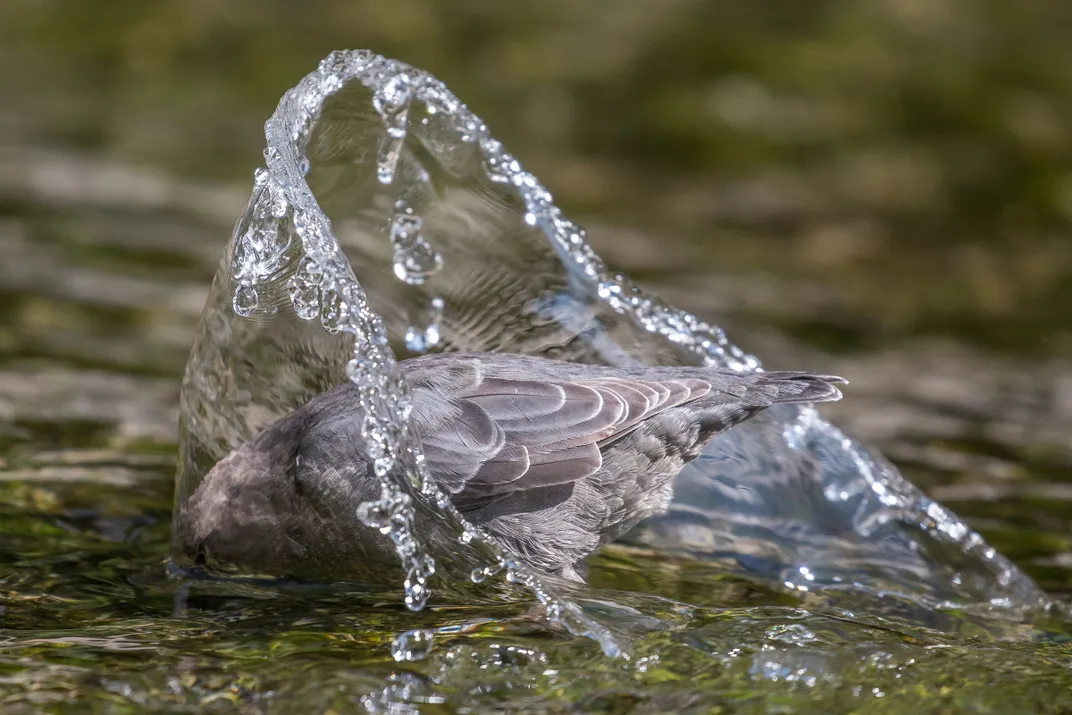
pixel 910 233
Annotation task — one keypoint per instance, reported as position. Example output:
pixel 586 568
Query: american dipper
pixel 552 458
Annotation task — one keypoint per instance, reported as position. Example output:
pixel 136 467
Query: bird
pixel 553 459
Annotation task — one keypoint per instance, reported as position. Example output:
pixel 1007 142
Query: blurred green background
pixel 910 158
pixel 881 188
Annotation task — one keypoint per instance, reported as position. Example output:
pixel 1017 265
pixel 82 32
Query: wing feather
pixel 500 435
pixel 494 426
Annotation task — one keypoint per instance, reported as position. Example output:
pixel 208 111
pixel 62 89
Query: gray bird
pixel 552 458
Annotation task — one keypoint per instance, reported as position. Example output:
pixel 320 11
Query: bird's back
pixel 558 458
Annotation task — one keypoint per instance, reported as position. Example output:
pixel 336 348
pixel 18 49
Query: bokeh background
pixel 877 188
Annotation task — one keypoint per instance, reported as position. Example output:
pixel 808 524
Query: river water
pixel 909 233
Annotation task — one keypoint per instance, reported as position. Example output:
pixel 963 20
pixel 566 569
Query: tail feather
pixel 800 387
pixel 738 397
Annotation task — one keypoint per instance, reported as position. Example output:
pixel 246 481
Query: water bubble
pixel 245 300
pixel 414 260
pixel 304 166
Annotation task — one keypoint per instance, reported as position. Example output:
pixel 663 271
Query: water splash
pixel 710 343
pixel 324 271
pixel 261 252
pixel 322 285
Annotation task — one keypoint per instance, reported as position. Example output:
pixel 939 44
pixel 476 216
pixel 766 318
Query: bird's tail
pixel 795 387
pixel 736 397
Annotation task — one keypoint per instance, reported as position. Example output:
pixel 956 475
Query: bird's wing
pixel 501 435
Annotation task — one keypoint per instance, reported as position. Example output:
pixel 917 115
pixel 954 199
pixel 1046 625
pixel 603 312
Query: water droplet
pixel 499 165
pixel 304 166
pixel 383 465
pixel 420 339
pixel 373 436
pixel 375 447
pixel 416 588
pixel 417 264
pixel 393 97
pixel 392 102
pixel 403 405
pixel 365 371
pixel 387 163
pixel 279 204
pixel 414 260
pixel 304 287
pixel 245 300
pixel 375 514
pixel 334 312
pixel 412 645
pixel 479 575
pixel 354 369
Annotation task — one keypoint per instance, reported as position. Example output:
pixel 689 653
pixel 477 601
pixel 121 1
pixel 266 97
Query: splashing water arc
pixel 287 317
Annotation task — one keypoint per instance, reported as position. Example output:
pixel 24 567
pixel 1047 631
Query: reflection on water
pixel 105 272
